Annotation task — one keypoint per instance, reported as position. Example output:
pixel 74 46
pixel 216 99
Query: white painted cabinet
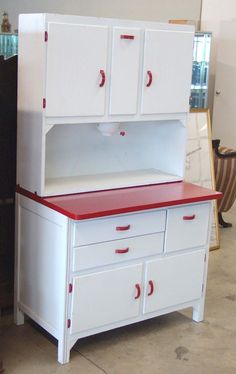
pixel 76 71
pixel 87 263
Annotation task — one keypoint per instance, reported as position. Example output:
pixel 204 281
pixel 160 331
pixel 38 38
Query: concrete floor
pixel 171 344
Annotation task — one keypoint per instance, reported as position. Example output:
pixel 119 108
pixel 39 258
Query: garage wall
pixel 153 10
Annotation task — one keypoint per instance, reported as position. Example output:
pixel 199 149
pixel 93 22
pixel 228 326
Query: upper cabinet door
pixel 167 71
pixel 76 70
pixel 124 71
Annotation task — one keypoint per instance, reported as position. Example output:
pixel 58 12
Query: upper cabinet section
pixel 76 71
pixel 94 70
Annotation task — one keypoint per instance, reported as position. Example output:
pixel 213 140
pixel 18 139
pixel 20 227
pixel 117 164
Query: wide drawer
pixel 187 227
pixel 116 251
pixel 118 227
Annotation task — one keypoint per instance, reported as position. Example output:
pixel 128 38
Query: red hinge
pixel 44 103
pixel 70 287
pixel 45 36
pixel 68 323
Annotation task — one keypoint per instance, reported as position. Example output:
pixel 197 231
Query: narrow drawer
pixel 116 251
pixel 187 227
pixel 118 227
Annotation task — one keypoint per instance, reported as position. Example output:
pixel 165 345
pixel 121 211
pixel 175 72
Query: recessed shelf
pixel 76 184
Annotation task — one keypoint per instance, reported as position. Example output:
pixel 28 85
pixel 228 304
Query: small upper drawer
pixel 118 227
pixel 116 251
pixel 187 227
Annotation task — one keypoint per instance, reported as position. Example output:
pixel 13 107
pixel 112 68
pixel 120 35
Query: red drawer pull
pixel 122 228
pixel 103 75
pixel 125 250
pixel 189 218
pixel 138 288
pixel 125 36
pixel 149 73
pixel 151 288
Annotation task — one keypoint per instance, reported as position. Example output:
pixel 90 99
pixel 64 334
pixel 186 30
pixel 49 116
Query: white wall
pixel 156 10
pixel 213 13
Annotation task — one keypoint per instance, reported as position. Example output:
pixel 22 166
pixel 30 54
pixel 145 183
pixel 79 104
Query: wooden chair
pixel 225 174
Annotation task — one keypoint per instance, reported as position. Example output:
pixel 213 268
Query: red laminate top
pixel 105 203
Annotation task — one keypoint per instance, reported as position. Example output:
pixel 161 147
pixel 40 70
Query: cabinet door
pixel 105 297
pixel 173 280
pixel 167 71
pixel 76 70
pixel 124 71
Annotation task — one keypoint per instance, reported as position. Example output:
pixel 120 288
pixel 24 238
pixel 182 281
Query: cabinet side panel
pixel 42 263
pixel 31 78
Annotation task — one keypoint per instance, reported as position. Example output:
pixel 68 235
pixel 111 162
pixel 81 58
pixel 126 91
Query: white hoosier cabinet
pixel 107 232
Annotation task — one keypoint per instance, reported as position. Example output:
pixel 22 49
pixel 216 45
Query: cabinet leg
pixel 63 352
pixel 198 312
pixel 19 317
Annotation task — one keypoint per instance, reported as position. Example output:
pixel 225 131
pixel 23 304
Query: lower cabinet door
pixel 105 297
pixel 173 280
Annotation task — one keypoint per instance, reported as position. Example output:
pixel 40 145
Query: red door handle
pixel 122 228
pixel 125 250
pixel 138 288
pixel 103 75
pixel 125 36
pixel 149 73
pixel 151 285
pixel 189 218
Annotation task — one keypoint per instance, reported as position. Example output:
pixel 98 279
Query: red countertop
pixel 105 203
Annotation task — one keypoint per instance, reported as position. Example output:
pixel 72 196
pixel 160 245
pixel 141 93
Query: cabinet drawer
pixel 187 227
pixel 118 227
pixel 116 251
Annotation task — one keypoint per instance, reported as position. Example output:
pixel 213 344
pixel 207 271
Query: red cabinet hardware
pixel 125 36
pixel 149 73
pixel 189 218
pixel 68 323
pixel 151 285
pixel 45 36
pixel 70 287
pixel 138 288
pixel 103 75
pixel 44 103
pixel 125 250
pixel 122 133
pixel 122 228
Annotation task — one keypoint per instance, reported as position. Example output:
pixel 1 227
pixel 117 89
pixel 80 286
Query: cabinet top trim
pixel 106 203
pixel 76 19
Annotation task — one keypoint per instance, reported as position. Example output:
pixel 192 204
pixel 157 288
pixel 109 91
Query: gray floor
pixel 168 344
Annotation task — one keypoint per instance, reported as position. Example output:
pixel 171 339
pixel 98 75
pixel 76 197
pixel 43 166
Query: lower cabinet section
pixel 74 284
pixel 105 297
pixel 173 280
